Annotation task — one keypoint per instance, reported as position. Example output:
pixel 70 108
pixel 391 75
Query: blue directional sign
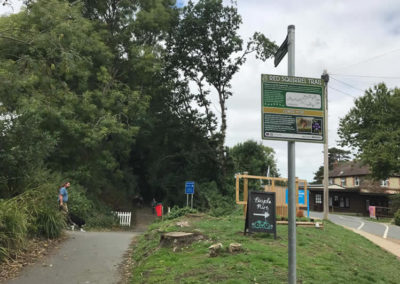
pixel 189 187
pixel 301 196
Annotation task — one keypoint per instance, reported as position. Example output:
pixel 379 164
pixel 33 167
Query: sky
pixel 357 42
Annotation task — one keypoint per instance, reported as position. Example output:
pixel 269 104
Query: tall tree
pixel 60 72
pixel 372 128
pixel 254 158
pixel 335 155
pixel 206 47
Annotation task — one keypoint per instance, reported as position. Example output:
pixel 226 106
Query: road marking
pixel 362 225
pixel 386 231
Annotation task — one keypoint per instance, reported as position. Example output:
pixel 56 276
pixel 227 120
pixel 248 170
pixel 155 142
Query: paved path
pixel 85 258
pixel 383 230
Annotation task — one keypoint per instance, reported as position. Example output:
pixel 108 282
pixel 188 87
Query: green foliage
pixel 372 127
pixel 176 212
pixel 78 202
pixel 397 218
pixel 319 176
pixel 102 220
pixel 209 198
pixel 50 222
pixel 67 108
pixel 13 227
pixel 206 48
pixel 98 91
pixel 254 158
pixel 337 155
pixel 394 202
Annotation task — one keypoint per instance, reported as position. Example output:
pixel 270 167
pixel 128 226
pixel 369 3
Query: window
pixel 356 181
pixel 343 181
pixel 341 203
pixel 335 201
pixel 318 198
pixel 331 181
pixel 347 202
pixel 330 200
pixel 385 183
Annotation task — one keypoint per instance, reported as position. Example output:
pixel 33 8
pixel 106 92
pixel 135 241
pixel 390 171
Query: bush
pixel 79 204
pixel 13 228
pixel 178 212
pixel 397 218
pixel 50 223
pixel 102 220
pixel 211 199
pixel 395 202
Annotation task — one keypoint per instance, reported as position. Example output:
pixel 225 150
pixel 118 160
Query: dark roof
pixel 346 169
pixel 332 188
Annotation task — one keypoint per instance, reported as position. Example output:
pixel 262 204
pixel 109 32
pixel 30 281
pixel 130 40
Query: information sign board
pixel 189 187
pixel 301 199
pixel 292 108
pixel 261 215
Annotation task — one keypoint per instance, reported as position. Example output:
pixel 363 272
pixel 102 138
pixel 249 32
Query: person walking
pixel 63 198
pixel 153 205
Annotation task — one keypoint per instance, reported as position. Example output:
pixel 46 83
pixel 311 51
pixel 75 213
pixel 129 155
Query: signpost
pixel 189 190
pixel 292 108
pixel 281 52
pixel 261 215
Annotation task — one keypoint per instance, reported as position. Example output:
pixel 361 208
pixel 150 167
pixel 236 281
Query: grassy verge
pixel 381 220
pixel 332 255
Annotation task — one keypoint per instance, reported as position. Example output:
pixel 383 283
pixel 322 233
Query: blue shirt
pixel 64 193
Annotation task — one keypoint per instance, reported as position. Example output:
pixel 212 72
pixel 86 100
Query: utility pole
pixel 325 77
pixel 291 171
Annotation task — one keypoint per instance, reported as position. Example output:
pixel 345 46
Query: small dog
pixel 77 221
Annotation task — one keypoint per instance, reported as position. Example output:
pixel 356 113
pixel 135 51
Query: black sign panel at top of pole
pixel 281 52
pixel 261 215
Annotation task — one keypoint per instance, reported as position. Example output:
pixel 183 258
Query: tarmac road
pixel 383 230
pixel 85 258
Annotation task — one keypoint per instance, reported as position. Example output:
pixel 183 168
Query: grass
pixel 332 255
pixel 381 220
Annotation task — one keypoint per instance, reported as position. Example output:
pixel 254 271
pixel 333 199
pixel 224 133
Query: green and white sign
pixel 292 108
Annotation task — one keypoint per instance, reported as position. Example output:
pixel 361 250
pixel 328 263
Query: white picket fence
pixel 124 218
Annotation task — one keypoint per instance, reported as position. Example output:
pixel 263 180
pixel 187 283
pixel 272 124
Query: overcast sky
pixel 357 37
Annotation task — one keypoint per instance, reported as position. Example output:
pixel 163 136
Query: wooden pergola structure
pixel 274 184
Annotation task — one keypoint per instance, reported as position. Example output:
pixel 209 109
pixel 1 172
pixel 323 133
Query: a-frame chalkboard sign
pixel 261 213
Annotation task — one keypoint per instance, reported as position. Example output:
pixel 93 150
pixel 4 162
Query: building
pixel 352 190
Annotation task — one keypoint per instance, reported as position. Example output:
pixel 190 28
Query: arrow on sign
pixel 265 215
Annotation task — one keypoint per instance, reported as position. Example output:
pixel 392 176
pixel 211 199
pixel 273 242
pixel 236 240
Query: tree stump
pixel 215 249
pixel 178 240
pixel 235 248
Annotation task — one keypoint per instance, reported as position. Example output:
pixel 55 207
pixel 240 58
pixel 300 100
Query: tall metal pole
pixel 325 77
pixel 291 171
